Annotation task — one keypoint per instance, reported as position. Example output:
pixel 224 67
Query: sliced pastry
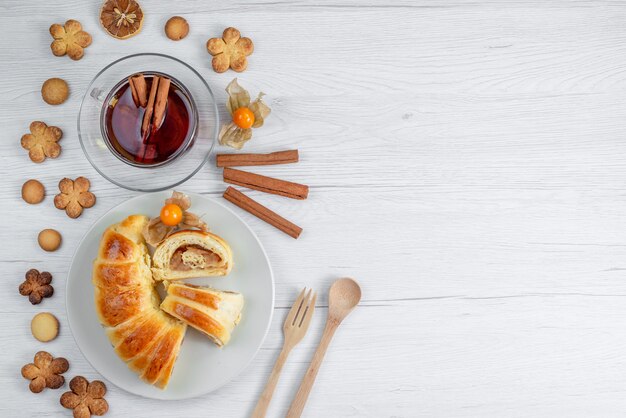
pixel 212 312
pixel 155 362
pixel 127 304
pixel 190 253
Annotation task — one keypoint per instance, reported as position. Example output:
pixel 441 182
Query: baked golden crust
pixel 115 307
pixel 195 318
pixel 119 333
pixel 126 302
pixel 122 276
pixel 213 312
pixel 192 292
pixel 116 248
pixel 141 338
pixel 164 356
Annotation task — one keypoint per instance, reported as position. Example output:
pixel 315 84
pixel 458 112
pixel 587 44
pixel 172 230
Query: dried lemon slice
pixel 121 18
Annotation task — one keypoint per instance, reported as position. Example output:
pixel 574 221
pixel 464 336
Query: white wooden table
pixel 467 164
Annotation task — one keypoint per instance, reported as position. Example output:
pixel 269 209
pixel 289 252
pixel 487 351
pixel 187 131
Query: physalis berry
pixel 171 214
pixel 243 117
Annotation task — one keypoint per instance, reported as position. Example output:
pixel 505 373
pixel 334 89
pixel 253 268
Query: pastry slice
pixel 213 312
pixel 119 333
pixel 156 365
pixel 190 253
pixel 138 340
pixel 150 344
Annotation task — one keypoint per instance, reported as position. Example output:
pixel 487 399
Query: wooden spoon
pixel 343 297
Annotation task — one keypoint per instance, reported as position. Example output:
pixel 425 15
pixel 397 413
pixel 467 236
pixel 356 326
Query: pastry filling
pixel 193 257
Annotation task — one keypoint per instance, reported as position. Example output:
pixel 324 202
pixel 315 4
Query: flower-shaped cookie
pixel 37 286
pixel 74 196
pixel 246 115
pixel 41 142
pixel 69 39
pixel 86 399
pixel 45 372
pixel 156 231
pixel 230 50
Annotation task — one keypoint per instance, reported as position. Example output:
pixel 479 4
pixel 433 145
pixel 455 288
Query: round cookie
pixel 49 239
pixel 44 327
pixel 55 91
pixel 33 192
pixel 176 28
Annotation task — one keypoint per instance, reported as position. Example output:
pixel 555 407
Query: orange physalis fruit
pixel 171 214
pixel 243 117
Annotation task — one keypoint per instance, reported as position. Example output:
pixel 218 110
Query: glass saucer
pixel 137 177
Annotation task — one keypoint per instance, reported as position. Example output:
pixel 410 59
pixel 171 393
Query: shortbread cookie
pixel 45 327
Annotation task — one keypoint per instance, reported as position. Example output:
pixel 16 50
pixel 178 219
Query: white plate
pixel 201 366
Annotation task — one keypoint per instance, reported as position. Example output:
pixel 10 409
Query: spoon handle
pixel 297 406
pixel 266 396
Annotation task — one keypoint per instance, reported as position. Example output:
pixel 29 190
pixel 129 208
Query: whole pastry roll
pixel 190 253
pixel 213 312
pixel 127 304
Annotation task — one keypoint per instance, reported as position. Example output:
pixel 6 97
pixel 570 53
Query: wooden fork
pixel 294 328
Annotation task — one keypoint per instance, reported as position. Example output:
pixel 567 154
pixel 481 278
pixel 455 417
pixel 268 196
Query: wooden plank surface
pixel 467 165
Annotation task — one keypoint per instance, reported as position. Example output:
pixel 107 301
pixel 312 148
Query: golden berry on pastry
pixel 174 215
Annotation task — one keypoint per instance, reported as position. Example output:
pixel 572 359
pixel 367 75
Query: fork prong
pixel 300 315
pixel 294 309
pixel 308 314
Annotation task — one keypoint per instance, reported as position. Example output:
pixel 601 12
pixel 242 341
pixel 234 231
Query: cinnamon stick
pixel 244 202
pixel 147 116
pixel 161 102
pixel 139 89
pixel 133 91
pixel 279 157
pixel 266 184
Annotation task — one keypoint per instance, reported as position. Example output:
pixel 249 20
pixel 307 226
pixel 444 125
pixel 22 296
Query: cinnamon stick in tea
pixel 133 91
pixel 279 157
pixel 266 184
pixel 244 202
pixel 161 102
pixel 139 89
pixel 147 116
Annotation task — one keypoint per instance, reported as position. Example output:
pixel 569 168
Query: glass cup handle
pixel 98 95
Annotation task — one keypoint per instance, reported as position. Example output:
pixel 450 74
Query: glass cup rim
pixel 160 188
pixel 189 139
